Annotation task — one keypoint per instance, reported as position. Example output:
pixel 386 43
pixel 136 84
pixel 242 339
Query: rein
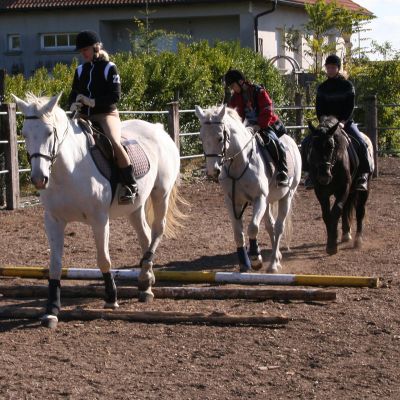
pixel 54 152
pixel 224 160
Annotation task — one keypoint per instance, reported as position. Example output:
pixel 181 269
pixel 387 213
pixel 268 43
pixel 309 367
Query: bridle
pixel 224 160
pixel 54 151
pixel 226 139
pixel 330 163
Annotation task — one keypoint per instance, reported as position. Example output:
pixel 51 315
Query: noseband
pixel 54 152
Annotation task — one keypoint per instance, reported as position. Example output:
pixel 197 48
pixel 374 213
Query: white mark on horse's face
pixel 39 141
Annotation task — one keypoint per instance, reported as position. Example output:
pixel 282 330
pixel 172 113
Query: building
pixel 42 32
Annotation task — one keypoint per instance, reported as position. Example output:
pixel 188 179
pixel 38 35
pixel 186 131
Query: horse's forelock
pixel 36 106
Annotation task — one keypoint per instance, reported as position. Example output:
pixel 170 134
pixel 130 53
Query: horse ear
pixel 221 114
pixel 22 105
pixel 199 112
pixel 311 127
pixel 49 107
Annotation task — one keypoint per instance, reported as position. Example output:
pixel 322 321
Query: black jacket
pixel 335 97
pixel 98 80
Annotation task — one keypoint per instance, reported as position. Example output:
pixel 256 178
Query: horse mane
pixel 213 111
pixel 37 103
pixel 326 124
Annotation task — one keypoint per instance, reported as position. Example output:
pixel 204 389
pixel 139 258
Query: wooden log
pixel 195 293
pixel 157 317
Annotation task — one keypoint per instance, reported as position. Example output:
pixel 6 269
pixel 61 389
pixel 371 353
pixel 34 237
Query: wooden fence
pixel 8 138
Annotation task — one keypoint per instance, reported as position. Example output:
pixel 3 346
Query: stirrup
pixel 282 179
pixel 362 183
pixel 127 194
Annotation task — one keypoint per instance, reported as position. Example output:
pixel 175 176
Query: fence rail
pixel 8 136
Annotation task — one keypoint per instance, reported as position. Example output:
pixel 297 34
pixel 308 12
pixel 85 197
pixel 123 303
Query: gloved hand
pixel 75 107
pixel 85 100
pixel 253 128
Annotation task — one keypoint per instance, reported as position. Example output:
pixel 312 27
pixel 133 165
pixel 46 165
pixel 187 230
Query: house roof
pixel 348 4
pixel 19 5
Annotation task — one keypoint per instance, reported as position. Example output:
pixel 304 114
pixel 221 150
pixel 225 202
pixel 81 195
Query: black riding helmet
pixel 232 76
pixel 333 59
pixel 86 39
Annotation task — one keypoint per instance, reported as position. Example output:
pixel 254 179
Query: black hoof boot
pixel 50 319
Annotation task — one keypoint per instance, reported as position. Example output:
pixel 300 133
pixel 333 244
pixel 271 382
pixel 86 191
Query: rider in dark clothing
pixel 254 105
pixel 335 96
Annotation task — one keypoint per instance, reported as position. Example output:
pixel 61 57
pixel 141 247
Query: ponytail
pixel 100 53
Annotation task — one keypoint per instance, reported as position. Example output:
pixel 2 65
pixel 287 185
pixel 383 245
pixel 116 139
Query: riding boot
pixel 362 182
pixel 282 175
pixel 130 187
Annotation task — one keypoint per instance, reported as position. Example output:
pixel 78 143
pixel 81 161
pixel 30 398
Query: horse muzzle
pixel 324 179
pixel 40 183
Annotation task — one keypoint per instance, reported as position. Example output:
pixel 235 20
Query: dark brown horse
pixel 332 174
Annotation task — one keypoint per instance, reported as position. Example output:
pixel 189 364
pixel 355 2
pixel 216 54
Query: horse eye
pixel 220 139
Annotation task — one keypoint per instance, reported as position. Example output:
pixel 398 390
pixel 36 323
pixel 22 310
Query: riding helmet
pixel 333 59
pixel 232 76
pixel 86 39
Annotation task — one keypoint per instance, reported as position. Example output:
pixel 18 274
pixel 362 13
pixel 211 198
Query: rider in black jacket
pixel 96 90
pixel 335 96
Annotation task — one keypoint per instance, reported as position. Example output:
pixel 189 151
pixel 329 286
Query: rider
pixel 335 96
pixel 254 105
pixel 96 89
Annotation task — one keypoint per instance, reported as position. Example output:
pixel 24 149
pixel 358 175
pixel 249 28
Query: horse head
pixel 324 147
pixel 40 132
pixel 213 136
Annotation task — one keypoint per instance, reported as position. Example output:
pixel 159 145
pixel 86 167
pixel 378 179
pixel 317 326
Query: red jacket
pixel 263 115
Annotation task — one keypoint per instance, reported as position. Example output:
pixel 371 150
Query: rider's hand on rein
pixel 85 100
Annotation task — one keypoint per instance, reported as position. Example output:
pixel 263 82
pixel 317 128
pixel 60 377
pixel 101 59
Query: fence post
pixel 8 128
pixel 298 102
pixel 173 122
pixel 2 85
pixel 371 126
pixel 2 163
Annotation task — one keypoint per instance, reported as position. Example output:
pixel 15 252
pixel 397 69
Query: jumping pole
pixel 198 277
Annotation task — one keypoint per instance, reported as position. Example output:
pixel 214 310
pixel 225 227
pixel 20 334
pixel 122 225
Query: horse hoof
pixel 273 270
pixel 358 244
pixel 49 321
pixel 331 250
pixel 145 297
pixel 346 237
pixel 111 306
pixel 244 268
pixel 256 262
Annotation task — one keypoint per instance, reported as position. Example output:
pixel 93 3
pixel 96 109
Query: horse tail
pixel 174 216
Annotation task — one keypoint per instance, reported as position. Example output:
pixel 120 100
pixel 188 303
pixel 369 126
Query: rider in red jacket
pixel 253 104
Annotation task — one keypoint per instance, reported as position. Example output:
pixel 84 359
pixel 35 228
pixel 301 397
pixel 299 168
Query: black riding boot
pixel 282 175
pixel 364 169
pixel 130 188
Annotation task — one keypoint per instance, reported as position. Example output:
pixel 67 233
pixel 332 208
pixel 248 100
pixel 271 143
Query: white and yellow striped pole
pixel 198 276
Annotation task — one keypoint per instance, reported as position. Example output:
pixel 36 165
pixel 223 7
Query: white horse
pixel 233 156
pixel 72 189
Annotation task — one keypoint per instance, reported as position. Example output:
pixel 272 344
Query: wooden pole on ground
pixel 148 317
pixel 195 293
pixel 199 277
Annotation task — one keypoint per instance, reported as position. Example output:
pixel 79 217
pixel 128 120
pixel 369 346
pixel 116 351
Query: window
pixel 58 41
pixel 14 42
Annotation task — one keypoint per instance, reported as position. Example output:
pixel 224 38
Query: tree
pixel 324 19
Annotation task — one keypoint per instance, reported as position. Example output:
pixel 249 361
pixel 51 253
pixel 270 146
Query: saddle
pixel 352 152
pixel 270 154
pixel 103 156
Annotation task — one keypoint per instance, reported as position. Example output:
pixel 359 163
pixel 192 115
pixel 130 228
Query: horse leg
pixel 362 198
pixel 279 226
pixel 237 225
pixel 346 219
pixel 101 232
pixel 259 207
pixel 269 224
pixel 55 234
pixel 146 278
pixel 331 223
